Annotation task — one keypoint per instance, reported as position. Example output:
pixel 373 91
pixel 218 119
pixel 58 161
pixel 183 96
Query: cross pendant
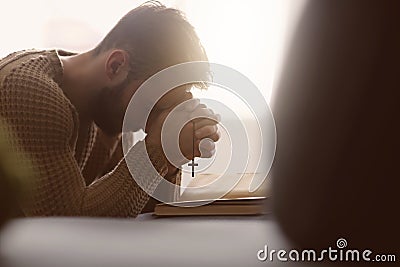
pixel 193 164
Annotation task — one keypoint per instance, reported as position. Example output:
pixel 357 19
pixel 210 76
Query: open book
pixel 205 195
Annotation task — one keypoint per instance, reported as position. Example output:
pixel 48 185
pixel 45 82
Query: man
pixel 65 112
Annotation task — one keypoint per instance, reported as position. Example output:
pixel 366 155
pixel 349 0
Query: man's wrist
pixel 172 170
pixel 156 145
pixel 156 157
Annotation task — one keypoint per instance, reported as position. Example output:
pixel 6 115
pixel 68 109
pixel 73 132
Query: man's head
pixel 146 40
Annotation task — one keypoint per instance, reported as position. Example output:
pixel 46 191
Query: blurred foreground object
pixel 13 175
pixel 336 171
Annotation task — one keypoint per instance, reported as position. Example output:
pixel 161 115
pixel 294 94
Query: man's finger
pixel 206 148
pixel 199 115
pixel 201 112
pixel 206 144
pixel 206 131
pixel 206 154
pixel 201 122
pixel 215 136
pixel 202 106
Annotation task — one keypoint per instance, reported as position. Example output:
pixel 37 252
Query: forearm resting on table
pixel 173 175
pixel 174 178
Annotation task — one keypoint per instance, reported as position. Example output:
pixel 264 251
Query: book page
pixel 212 186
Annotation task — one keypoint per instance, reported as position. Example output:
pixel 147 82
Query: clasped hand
pixel 180 139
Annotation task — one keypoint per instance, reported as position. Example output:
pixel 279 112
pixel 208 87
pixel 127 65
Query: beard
pixel 110 109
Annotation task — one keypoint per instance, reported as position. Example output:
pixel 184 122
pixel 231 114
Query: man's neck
pixel 81 82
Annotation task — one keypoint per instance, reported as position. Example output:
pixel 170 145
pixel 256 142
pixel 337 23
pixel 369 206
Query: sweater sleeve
pixel 102 152
pixel 42 122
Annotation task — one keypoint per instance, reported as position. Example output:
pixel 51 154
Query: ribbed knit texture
pixel 44 125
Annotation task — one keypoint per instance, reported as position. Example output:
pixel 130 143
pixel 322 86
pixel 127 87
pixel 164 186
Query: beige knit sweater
pixel 67 170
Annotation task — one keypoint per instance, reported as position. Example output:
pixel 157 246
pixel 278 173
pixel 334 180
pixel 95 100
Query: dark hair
pixel 155 37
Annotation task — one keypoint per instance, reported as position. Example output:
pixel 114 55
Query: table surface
pixel 144 241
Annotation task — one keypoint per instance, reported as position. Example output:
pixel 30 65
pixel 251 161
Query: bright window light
pixel 248 36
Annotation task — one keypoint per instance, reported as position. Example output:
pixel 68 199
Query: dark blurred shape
pixel 14 176
pixel 336 172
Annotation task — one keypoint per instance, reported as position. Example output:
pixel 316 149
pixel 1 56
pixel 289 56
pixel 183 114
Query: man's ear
pixel 117 66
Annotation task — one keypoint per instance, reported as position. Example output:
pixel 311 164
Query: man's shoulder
pixel 30 91
pixel 31 64
pixel 17 60
pixel 32 73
